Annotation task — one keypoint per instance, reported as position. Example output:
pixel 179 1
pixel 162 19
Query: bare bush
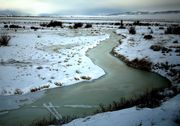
pixel 173 30
pixel 14 26
pixel 55 24
pixel 18 91
pixel 4 40
pixel 6 26
pixel 52 24
pixel 132 30
pixel 77 25
pixel 88 25
pixel 85 77
pixel 148 37
pixel 34 28
pixel 155 47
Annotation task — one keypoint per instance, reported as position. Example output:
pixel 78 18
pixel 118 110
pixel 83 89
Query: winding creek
pixel 119 81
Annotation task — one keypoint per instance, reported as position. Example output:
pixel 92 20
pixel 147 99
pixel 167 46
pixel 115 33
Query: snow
pixel 135 46
pixel 43 59
pixel 165 115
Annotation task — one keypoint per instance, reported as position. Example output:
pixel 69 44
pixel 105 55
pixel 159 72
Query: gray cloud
pixel 87 6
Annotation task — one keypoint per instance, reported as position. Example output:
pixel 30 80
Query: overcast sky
pixel 76 7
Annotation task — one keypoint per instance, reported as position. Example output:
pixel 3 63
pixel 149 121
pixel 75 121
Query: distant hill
pixel 144 12
pixel 91 12
pixel 12 13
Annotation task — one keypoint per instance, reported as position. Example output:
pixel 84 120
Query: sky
pixel 80 7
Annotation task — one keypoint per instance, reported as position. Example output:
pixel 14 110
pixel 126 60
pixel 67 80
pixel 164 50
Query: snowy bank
pixel 39 60
pixel 164 115
pixel 159 54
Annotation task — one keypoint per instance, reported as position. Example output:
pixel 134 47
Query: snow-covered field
pixel 165 115
pixel 165 60
pixel 49 58
pixel 46 59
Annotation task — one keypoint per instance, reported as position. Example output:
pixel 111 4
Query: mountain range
pixel 104 12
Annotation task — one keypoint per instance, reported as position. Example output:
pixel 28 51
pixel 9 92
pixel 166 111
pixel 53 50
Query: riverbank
pixel 158 54
pixel 165 115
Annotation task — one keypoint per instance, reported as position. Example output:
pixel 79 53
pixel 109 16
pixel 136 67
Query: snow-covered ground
pixel 36 60
pixel 165 115
pixel 43 59
pixel 165 61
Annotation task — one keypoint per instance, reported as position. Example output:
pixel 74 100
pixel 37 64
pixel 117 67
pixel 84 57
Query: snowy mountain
pixel 144 12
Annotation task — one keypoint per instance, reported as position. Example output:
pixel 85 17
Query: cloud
pixel 30 6
pixel 81 6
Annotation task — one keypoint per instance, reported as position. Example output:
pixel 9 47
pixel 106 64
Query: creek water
pixel 82 99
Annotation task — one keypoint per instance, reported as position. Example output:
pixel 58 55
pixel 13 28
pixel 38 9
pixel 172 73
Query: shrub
pixel 88 26
pixel 148 37
pixel 121 25
pixel 142 64
pixel 77 25
pixel 43 24
pixel 85 77
pixel 161 28
pixel 117 23
pixel 177 120
pixel 4 40
pixel 158 48
pixel 44 122
pixel 58 84
pixel 173 30
pixel 55 24
pixel 52 121
pixel 35 28
pixel 132 30
pixel 140 23
pixel 155 47
pixel 136 23
pixel 176 41
pixel 34 89
pixel 39 67
pixel 150 99
pixel 18 92
pixel 15 26
pixel 166 50
pixel 177 50
pixel 6 26
pixel 52 24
